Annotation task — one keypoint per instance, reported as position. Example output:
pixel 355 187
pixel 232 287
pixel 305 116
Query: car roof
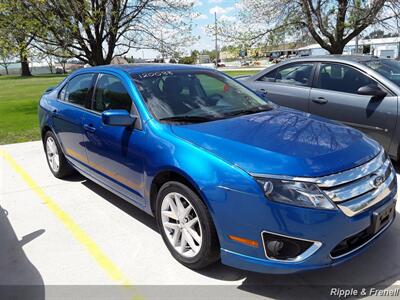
pixel 147 67
pixel 336 57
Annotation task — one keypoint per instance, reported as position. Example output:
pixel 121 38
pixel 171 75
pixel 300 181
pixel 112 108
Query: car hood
pixel 282 142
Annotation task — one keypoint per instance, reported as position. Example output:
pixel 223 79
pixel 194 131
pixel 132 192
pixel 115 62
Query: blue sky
pixel 225 10
pixel 204 9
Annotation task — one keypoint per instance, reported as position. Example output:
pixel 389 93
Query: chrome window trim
pixel 303 256
pixel 337 178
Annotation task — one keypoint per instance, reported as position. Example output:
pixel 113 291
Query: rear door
pixel 288 85
pixel 73 101
pixel 335 97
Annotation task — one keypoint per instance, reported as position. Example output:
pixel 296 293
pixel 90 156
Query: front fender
pixel 214 178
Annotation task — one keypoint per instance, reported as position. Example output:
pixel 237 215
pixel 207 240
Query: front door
pixel 335 97
pixel 114 151
pixel 288 85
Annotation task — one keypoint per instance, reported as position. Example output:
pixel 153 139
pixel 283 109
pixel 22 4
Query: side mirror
pixel 372 90
pixel 48 90
pixel 117 117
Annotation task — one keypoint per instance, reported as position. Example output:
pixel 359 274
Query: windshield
pixel 195 96
pixel 387 67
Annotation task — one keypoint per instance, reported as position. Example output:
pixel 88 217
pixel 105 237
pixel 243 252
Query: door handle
pixel 263 91
pixel 320 100
pixel 89 127
pixel 55 112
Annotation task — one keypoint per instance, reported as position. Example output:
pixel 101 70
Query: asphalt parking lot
pixel 75 233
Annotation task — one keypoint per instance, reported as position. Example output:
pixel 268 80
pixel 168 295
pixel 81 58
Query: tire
pixel 54 153
pixel 208 250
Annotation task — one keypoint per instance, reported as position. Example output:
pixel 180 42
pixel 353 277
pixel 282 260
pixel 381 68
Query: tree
pixel 61 58
pixel 331 23
pixel 191 59
pixel 96 31
pixel 211 53
pixel 7 54
pixel 187 60
pixel 18 30
pixel 45 56
pixel 379 33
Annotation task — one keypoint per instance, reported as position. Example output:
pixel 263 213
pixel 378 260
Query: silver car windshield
pixel 386 67
pixel 196 95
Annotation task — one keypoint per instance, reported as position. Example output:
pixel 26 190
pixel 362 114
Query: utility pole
pixel 162 46
pixel 216 40
pixel 356 44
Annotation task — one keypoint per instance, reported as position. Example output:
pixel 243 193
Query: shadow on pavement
pixel 19 279
pixel 123 205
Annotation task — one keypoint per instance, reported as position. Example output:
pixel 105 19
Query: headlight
pixel 295 193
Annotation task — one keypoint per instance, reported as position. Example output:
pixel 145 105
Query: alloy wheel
pixel 52 154
pixel 181 224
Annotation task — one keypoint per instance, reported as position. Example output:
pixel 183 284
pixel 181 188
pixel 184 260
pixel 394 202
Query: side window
pixel 77 89
pixel 295 74
pixel 341 78
pixel 111 94
pixel 269 77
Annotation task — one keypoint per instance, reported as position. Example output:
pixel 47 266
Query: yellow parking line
pixel 80 235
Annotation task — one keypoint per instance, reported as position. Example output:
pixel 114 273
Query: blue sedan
pixel 228 175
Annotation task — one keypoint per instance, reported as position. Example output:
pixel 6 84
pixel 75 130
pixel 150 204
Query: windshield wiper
pixel 248 111
pixel 189 119
pixel 200 119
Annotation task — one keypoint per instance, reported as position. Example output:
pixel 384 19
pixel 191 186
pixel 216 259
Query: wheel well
pixel 44 130
pixel 164 177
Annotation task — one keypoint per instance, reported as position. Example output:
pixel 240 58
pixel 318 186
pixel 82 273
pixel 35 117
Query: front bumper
pixel 255 214
pixel 322 258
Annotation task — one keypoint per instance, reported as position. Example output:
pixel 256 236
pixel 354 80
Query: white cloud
pixel 197 3
pixel 215 1
pixel 227 18
pixel 239 5
pixel 221 10
pixel 201 17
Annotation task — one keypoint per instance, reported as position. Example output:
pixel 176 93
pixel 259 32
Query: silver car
pixel 358 90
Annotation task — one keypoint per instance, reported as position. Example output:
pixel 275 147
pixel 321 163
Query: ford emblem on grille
pixel 377 181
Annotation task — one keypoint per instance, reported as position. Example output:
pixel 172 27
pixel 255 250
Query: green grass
pixel 239 73
pixel 19 98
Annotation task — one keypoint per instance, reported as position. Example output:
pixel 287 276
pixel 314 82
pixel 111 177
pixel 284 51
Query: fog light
pixel 278 247
pixel 274 248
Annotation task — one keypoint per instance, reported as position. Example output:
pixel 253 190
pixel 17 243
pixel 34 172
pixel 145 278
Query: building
pixel 384 47
pixel 118 60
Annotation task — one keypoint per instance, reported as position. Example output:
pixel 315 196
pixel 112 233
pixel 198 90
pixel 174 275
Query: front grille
pixel 351 243
pixel 381 219
pixel 357 189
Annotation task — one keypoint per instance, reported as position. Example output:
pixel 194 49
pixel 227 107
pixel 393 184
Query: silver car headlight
pixel 295 193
